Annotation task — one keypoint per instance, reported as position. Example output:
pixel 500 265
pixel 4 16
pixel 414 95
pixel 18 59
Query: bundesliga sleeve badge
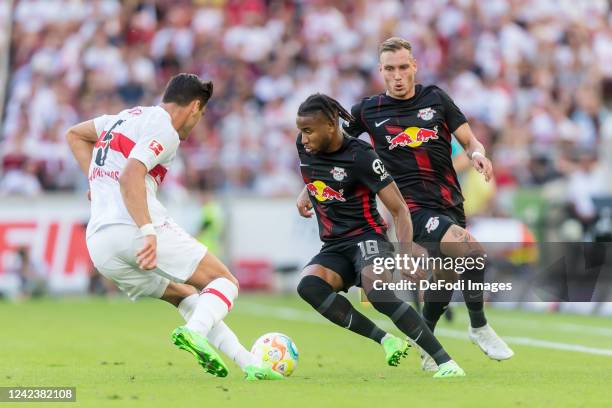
pixel 156 147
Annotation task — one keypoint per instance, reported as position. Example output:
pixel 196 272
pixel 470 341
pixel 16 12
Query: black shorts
pixel 430 225
pixel 350 256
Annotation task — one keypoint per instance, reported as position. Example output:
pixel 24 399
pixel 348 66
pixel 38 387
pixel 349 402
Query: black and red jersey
pixel 342 187
pixel 413 138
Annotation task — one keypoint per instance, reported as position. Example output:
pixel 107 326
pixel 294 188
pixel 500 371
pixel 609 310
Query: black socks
pixel 409 322
pixel 336 308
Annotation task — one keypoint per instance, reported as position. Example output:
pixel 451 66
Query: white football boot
pixel 490 343
pixel 427 363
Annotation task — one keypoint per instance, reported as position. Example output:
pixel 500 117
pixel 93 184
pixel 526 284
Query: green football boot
pixel 197 345
pixel 395 349
pixel 448 370
pixel 252 373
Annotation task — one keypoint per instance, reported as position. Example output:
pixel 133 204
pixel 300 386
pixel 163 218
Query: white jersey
pixel 142 133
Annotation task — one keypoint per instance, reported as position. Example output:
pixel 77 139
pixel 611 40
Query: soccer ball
pixel 277 351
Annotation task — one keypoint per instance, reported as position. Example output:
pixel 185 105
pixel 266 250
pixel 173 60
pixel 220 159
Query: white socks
pixel 187 306
pixel 214 303
pixel 220 336
pixel 223 338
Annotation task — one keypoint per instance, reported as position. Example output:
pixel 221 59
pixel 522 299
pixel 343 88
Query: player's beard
pixel 324 146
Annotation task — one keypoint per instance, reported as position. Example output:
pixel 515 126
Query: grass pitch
pixel 117 353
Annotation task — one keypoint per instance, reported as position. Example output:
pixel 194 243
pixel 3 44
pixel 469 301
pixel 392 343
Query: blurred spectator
pixel 20 173
pixel 31 275
pixel 587 181
pixel 527 73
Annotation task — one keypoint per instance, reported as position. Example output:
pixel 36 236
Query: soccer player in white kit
pixel 132 240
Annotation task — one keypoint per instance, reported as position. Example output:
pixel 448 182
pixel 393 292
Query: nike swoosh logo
pixel 377 124
pixel 350 321
pixel 304 165
pixel 419 336
pixel 370 257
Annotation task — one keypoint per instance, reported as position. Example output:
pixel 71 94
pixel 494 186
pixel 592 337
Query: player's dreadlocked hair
pixel 330 107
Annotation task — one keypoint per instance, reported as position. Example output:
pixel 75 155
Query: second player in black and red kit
pixel 343 175
pixel 410 126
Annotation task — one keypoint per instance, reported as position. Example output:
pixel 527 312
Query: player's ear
pixel 196 105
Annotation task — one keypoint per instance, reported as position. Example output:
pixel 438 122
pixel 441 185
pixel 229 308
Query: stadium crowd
pixel 533 77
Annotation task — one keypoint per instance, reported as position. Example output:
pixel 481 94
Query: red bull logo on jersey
pixel 410 137
pixel 323 192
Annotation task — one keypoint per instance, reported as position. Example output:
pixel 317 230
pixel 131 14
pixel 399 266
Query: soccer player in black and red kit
pixel 343 175
pixel 410 127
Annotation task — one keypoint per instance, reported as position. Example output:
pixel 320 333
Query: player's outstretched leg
pixel 436 302
pixel 411 324
pixel 213 304
pixel 219 289
pixel 479 331
pixel 224 339
pixel 318 288
pixel 458 242
pixel 196 344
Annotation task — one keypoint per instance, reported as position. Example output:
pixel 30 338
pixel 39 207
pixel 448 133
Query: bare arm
pixel 303 204
pixel 134 193
pixel 81 139
pixel 475 150
pixel 393 200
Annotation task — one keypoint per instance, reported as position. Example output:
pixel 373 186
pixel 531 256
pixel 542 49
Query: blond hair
pixel 394 44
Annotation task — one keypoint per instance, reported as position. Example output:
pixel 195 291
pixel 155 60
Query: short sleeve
pixel 452 114
pixel 356 127
pixel 100 123
pixel 371 170
pixel 156 147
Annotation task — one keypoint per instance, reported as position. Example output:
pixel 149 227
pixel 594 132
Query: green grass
pixel 119 353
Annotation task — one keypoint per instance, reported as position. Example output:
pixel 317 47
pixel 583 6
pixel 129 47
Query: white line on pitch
pixel 565 327
pixel 288 313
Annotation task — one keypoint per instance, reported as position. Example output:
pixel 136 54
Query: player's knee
pixel 313 289
pixel 223 272
pixel 305 288
pixel 233 279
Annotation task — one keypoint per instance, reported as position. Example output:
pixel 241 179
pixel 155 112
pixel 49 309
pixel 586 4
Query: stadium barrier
pixel 261 236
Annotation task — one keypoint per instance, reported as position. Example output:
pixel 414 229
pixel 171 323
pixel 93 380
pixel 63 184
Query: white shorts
pixel 113 251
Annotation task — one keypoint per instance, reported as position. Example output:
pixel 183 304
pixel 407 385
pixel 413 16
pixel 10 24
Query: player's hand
pixel 418 274
pixel 415 275
pixel 412 274
pixel 483 166
pixel 304 205
pixel 147 256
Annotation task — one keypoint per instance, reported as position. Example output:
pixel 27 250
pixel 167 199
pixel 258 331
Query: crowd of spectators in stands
pixel 533 77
